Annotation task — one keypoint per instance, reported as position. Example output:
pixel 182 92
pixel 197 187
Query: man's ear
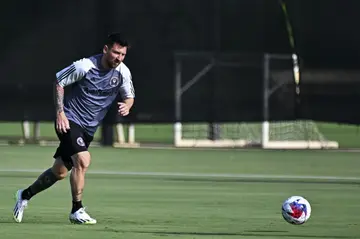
pixel 105 49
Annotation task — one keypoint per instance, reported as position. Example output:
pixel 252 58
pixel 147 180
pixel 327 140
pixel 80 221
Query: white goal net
pixel 300 134
pixel 294 134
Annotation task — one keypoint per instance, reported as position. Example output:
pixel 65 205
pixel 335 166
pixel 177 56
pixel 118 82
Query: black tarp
pixel 41 37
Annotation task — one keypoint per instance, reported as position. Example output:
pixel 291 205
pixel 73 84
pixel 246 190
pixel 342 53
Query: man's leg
pixel 81 162
pixel 48 178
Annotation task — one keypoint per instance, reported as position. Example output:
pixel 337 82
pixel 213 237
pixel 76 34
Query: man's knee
pixel 59 169
pixel 81 160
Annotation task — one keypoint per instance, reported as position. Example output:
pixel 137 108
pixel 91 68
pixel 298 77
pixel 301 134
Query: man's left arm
pixel 129 102
pixel 125 106
pixel 127 93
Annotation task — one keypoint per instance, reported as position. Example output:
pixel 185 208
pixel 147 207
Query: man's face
pixel 114 55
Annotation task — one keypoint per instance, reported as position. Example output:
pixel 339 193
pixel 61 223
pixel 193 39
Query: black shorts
pixel 75 140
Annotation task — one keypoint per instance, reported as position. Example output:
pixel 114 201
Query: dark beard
pixel 113 64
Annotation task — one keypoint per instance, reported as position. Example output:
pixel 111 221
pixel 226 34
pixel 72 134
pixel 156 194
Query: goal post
pixel 294 134
pixel 125 136
pixel 211 139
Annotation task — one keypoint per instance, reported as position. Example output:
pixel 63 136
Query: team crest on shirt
pixel 80 142
pixel 114 81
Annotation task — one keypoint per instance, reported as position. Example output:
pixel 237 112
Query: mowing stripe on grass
pixel 199 175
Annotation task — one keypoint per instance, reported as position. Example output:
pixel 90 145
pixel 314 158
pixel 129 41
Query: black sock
pixel 27 194
pixel 45 180
pixel 76 206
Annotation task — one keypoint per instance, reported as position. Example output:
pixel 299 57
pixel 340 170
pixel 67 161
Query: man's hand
pixel 62 123
pixel 124 109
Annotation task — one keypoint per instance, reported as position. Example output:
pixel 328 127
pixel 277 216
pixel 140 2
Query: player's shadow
pixel 286 235
pixel 260 180
pixel 229 180
pixel 248 234
pixel 29 221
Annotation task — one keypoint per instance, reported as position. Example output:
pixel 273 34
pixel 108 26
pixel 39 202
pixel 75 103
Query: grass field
pixel 348 136
pixel 144 193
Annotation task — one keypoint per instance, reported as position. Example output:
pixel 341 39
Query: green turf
pixel 169 205
pixel 348 136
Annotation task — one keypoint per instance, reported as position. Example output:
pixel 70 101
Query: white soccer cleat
pixel 81 217
pixel 20 206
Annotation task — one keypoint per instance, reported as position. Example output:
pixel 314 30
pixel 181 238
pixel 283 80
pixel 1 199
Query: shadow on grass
pixel 25 174
pixel 260 233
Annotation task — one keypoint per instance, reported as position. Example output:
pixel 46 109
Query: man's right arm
pixel 62 123
pixel 67 76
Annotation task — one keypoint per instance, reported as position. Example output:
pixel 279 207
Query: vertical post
pixel 131 134
pixel 107 133
pixel 265 124
pixel 177 125
pixel 214 128
pixel 36 130
pixel 107 129
pixel 25 126
pixel 120 133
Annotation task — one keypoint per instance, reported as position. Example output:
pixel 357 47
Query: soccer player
pixel 93 84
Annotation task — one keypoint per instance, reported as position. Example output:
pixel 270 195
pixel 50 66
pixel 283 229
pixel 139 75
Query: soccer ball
pixel 296 210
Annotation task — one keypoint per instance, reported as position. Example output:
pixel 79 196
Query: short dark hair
pixel 117 38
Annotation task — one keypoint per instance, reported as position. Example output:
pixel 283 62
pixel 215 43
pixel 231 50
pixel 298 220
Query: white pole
pixel 265 125
pixel 131 138
pixel 26 129
pixel 120 133
pixel 177 125
pixel 265 133
pixel 177 133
